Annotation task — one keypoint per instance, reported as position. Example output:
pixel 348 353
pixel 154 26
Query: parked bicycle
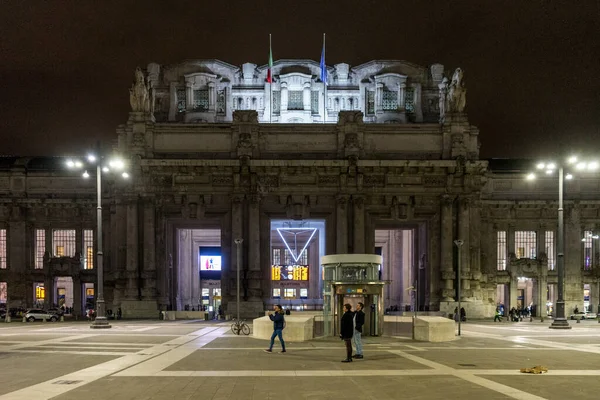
pixel 239 326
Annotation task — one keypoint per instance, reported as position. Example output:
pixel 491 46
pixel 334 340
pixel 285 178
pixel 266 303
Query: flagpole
pixel 270 86
pixel 324 86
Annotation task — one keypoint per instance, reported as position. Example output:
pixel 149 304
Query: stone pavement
pixel 153 360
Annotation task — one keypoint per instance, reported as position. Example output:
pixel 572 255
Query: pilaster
pixel 359 224
pixel 342 225
pixel 132 249
pixel 446 251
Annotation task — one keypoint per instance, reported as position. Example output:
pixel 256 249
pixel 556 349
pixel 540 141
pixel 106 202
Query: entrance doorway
pixel 403 267
pixel 197 276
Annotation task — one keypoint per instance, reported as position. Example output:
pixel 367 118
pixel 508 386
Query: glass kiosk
pixel 352 278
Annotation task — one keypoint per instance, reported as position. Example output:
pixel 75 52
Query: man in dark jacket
pixel 347 330
pixel 359 321
pixel 278 325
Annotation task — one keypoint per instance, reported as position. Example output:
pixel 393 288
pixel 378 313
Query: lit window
pixel 276 257
pixel 3 292
pixel 588 247
pixel 88 245
pixel 277 293
pixel 289 293
pixel 525 244
pixel 40 248
pixel 303 293
pixel 501 264
pixel 64 243
pixel 3 249
pixel 550 252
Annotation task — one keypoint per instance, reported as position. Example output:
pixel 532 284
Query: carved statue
pixel 457 93
pixel 141 96
pixel 443 87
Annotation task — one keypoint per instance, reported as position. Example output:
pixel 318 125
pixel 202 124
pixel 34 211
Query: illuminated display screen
pixel 210 263
pixel 289 272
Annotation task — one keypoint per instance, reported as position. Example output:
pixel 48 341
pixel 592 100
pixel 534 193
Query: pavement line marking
pixel 486 383
pixel 165 360
pixel 89 353
pixel 47 390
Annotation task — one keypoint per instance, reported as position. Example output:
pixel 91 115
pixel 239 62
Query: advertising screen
pixel 210 263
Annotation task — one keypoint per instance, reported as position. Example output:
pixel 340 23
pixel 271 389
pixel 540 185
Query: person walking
pixel 498 316
pixel 359 321
pixel 347 330
pixel 278 325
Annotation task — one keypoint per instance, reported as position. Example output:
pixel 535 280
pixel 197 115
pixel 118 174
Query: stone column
pixel 446 249
pixel 284 97
pixel 359 225
pixel 149 291
pixel 17 237
pixel 573 284
pixel 184 268
pixel 212 97
pixel 314 276
pixel 464 234
pixel 189 95
pixel 77 302
pixel 342 225
pixel 132 249
pixel 49 292
pixel 513 289
pixel 236 233
pixel 253 246
pixel 306 97
pixel 400 268
pixel 401 91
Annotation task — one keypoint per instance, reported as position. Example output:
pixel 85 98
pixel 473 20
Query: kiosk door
pixel 371 309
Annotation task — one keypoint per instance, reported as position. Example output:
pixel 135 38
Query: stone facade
pixel 189 172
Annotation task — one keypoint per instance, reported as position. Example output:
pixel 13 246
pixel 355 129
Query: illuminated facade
pixel 390 167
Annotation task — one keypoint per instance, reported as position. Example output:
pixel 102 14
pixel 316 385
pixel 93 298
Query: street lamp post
pixel 560 320
pixel 100 322
pixel 458 244
pixel 238 245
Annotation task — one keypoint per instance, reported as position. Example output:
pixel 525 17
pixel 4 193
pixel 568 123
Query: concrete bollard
pixel 24 320
pixel 44 319
pixel 7 318
pixel 578 320
pixel 62 318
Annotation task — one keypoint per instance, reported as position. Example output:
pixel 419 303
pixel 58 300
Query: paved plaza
pixel 143 360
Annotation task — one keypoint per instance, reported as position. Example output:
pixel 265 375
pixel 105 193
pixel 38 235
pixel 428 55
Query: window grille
pixel 550 249
pixel 314 102
pixel 221 102
pixel 181 103
pixel 201 100
pixel 525 244
pixel 295 100
pixel 3 249
pixel 40 248
pixel 588 246
pixel 409 100
pixel 64 243
pixel 3 292
pixel 88 245
pixel 390 100
pixel 276 257
pixel 370 102
pixel 276 102
pixel 501 246
pixel 287 257
pixel 303 260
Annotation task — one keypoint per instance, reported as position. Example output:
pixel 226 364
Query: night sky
pixel 532 68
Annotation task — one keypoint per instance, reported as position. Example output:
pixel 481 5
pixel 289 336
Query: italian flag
pixel 270 70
